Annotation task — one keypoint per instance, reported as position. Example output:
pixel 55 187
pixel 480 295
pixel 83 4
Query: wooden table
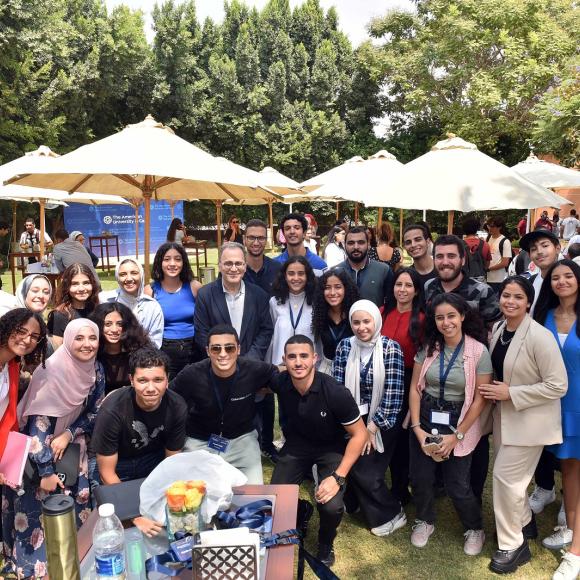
pixel 12 257
pixel 197 246
pixel 103 244
pixel 280 560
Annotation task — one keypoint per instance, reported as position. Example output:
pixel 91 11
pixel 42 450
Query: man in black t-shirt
pixel 138 425
pixel 320 413
pixel 220 398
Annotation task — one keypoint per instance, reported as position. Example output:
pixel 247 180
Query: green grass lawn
pixel 359 554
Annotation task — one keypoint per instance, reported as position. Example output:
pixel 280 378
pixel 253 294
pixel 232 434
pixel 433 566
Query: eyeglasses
pixel 217 348
pixel 232 265
pixel 253 239
pixel 236 221
pixel 23 333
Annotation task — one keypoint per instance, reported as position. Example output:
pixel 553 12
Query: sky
pixel 354 15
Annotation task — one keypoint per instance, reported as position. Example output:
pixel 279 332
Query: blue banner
pixel 119 220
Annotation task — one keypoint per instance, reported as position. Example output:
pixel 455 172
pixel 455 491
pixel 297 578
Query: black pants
pixel 367 480
pixel 544 475
pixel 456 475
pixel 292 468
pixel 480 466
pixel 399 465
pixel 264 421
pixel 179 351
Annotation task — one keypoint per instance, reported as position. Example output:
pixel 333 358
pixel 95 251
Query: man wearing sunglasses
pixel 229 300
pixel 220 395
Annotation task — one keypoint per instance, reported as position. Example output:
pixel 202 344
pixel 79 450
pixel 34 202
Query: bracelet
pixel 415 425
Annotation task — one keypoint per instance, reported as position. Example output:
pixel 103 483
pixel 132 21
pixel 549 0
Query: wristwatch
pixel 460 436
pixel 339 479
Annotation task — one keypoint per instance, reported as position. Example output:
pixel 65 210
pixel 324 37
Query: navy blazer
pixel 257 328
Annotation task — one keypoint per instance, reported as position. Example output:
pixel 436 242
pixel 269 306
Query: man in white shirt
pixel 30 237
pixel 569 226
pixel 501 252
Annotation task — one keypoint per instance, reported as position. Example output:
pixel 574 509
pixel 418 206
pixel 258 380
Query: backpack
pixel 501 243
pixel 475 263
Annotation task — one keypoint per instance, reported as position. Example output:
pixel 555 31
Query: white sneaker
pixel 540 498
pixel 391 526
pixel 421 533
pixel 569 568
pixel 562 515
pixel 474 540
pixel 561 537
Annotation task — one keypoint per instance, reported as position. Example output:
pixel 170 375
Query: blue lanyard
pixel 336 337
pixel 218 398
pixel 444 372
pixel 295 324
pixel 365 371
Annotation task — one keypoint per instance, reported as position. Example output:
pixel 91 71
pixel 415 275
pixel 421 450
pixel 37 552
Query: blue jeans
pixel 138 467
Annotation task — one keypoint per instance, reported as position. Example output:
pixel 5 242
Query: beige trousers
pixel 513 470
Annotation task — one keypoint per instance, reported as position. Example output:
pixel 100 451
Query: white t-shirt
pixel 333 255
pixel 570 226
pixel 497 276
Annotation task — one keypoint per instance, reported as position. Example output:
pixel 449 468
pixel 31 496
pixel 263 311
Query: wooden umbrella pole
pixel 337 210
pixel 271 218
pixel 42 227
pixel 218 216
pixel 401 220
pixel 136 230
pixel 147 194
pixel 380 217
pixel 356 215
pixel 14 222
pixel 450 216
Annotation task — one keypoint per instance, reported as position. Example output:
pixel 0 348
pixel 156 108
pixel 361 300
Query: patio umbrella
pixel 547 174
pixel 144 161
pixel 455 175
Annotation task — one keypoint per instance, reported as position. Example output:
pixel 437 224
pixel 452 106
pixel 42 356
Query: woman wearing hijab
pixel 22 336
pixel 59 408
pixel 371 367
pixel 34 292
pixel 131 293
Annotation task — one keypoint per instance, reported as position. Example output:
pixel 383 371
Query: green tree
pixel 475 67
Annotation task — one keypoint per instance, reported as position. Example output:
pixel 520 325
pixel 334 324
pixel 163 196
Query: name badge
pixel 363 409
pixel 441 417
pixel 218 443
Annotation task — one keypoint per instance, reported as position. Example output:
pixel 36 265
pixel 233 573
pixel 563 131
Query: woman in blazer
pixel 525 418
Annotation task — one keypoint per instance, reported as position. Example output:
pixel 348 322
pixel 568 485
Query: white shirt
pixel 4 388
pixel 570 225
pixel 333 255
pixel 33 238
pixel 311 245
pixel 235 304
pixel 537 284
pixel 573 240
pixel 283 329
pixel 497 276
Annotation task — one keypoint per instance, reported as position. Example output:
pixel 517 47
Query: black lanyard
pixel 338 336
pixel 444 372
pixel 222 406
pixel 295 324
pixel 365 371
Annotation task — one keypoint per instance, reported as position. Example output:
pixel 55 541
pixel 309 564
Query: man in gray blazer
pixel 374 279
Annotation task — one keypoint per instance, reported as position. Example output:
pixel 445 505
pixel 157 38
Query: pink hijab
pixel 60 390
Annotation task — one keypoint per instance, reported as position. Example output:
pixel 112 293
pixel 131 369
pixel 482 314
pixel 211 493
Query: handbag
pixel 67 468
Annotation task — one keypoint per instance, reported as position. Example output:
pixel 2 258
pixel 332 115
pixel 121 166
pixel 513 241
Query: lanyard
pixel 336 337
pixel 365 370
pixel 218 398
pixel 295 324
pixel 444 372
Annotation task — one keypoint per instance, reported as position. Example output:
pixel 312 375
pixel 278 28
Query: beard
pixel 358 259
pixel 449 275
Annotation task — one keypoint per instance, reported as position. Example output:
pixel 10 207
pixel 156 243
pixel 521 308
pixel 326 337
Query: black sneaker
pixel 508 561
pixel 326 554
pixel 530 530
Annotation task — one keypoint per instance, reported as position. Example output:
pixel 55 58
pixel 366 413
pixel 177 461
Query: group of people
pixel 376 368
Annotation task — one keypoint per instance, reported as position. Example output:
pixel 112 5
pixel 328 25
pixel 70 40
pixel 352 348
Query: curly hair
pixel 280 288
pixel 63 297
pixel 472 323
pixel 15 319
pixel 320 307
pixel 547 300
pixel 133 337
pixel 417 306
pixel 186 274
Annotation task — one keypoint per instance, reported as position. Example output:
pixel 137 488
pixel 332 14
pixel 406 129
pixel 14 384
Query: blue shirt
pixel 178 308
pixel 317 263
pixel 264 277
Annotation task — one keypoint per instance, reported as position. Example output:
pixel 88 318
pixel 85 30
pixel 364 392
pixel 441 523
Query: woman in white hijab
pixel 129 276
pixel 371 367
pixel 34 293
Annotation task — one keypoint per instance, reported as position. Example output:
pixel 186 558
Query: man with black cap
pixel 543 246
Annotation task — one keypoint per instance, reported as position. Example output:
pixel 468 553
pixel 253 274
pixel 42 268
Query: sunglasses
pixel 217 348
pixel 236 222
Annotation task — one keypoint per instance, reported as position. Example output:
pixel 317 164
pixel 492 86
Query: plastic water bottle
pixel 109 545
pixel 435 437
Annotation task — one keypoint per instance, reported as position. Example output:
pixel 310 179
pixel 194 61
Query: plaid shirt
pixel 389 409
pixel 477 294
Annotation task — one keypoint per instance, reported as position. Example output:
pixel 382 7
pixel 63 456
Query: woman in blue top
pixel 558 309
pixel 175 289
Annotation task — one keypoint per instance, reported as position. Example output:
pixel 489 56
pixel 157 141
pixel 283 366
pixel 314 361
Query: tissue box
pixel 217 562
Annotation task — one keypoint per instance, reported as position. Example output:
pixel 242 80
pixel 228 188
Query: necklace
pixel 501 338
